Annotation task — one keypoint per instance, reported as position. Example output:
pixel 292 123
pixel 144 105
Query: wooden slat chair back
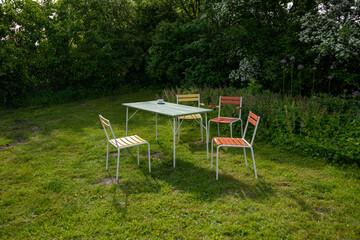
pixel 237 101
pixel 194 98
pixel 120 143
pixel 253 119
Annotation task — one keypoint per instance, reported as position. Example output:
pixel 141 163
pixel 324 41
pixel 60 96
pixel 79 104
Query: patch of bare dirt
pixel 20 123
pixel 17 141
pixel 107 181
pixel 156 155
pixel 82 105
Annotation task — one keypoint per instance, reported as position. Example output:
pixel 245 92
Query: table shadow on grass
pixel 187 177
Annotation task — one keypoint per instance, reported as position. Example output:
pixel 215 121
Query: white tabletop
pixel 169 109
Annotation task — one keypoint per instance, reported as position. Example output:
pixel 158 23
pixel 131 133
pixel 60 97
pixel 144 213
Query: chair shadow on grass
pixel 186 177
pixel 190 178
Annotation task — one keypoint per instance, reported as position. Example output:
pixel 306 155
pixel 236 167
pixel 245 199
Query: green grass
pixel 54 184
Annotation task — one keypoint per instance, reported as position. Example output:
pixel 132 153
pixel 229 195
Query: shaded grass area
pixel 54 183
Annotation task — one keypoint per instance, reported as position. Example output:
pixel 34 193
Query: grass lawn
pixel 54 184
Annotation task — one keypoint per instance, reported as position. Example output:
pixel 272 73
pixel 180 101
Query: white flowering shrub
pixel 248 68
pixel 333 31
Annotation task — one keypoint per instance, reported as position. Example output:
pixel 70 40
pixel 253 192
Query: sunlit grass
pixel 54 183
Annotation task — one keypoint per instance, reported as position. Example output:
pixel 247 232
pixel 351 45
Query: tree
pixel 332 30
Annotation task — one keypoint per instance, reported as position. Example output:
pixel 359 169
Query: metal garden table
pixel 171 110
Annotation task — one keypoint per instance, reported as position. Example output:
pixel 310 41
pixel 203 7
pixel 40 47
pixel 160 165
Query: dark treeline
pixel 92 46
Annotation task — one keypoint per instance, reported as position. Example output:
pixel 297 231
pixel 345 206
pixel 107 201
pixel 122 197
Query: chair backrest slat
pixel 252 121
pixel 188 98
pixel 105 121
pixel 230 102
pixel 106 124
pixel 230 98
pixel 254 116
pixel 188 95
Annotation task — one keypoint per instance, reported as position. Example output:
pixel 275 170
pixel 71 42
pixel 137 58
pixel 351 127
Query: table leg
pixel 174 132
pixel 156 124
pixel 127 115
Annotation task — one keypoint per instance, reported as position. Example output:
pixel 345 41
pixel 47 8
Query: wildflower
pixel 292 59
pixel 330 78
pixel 355 93
pixel 284 68
pixel 299 76
pixel 313 83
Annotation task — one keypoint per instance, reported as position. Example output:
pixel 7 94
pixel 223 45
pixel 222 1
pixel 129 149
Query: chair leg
pixel 208 129
pixel 217 162
pixel 107 156
pixel 138 155
pixel 252 153
pixel 245 157
pixel 212 151
pixel 149 158
pixel 231 130
pixel 117 167
pixel 242 133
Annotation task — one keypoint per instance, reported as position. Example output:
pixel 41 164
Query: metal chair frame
pixel 120 143
pixel 254 120
pixel 228 100
pixel 190 98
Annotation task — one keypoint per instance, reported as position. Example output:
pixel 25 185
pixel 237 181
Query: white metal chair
pixel 227 120
pixel 197 117
pixel 236 142
pixel 120 143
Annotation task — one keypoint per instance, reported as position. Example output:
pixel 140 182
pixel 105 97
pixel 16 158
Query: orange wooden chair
pixel 227 120
pixel 236 142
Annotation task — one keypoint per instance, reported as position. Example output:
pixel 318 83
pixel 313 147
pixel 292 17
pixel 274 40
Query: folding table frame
pixel 171 110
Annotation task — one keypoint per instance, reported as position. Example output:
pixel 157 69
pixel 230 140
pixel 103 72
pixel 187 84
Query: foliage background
pixel 71 49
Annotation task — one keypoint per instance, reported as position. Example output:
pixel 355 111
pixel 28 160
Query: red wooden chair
pixel 236 142
pixel 227 120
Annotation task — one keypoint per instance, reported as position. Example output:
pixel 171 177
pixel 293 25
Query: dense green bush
pixel 78 46
pixel 319 126
pixel 187 54
pixel 67 45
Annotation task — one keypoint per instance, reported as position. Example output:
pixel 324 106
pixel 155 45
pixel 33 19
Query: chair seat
pixel 230 141
pixel 193 116
pixel 223 120
pixel 128 141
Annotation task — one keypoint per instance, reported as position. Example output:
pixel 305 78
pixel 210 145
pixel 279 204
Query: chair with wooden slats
pixel 227 120
pixel 194 98
pixel 236 142
pixel 120 143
